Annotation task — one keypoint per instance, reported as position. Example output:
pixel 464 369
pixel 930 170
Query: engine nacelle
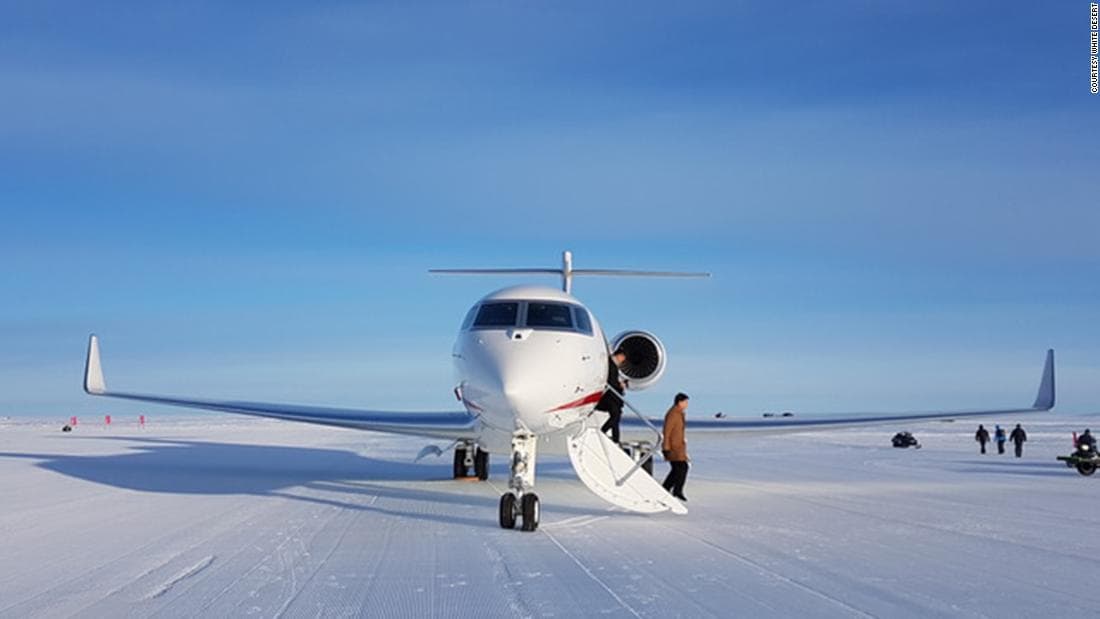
pixel 645 358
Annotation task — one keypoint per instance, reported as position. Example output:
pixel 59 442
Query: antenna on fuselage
pixel 567 272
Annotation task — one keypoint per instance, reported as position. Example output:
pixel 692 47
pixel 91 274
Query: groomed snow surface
pixel 224 516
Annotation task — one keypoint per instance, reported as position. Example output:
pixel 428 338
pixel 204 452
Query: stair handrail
pixel 660 436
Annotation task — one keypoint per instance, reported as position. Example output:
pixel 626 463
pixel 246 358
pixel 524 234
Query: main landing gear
pixel 520 503
pixel 640 450
pixel 468 455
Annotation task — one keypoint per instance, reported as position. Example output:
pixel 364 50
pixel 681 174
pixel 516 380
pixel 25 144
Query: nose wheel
pixel 520 503
pixel 508 511
pixel 524 510
pixel 529 507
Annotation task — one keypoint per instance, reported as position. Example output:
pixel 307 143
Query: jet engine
pixel 645 358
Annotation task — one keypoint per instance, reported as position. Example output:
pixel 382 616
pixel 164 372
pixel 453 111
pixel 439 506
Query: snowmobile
pixel 1084 459
pixel 903 440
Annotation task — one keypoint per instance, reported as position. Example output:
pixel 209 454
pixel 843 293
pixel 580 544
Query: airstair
pixel 616 477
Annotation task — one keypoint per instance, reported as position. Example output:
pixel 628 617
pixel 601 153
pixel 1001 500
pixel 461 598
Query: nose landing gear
pixel 524 509
pixel 520 503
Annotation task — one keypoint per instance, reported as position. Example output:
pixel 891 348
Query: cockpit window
pixel 497 315
pixel 539 315
pixel 468 321
pixel 584 323
pixel 550 315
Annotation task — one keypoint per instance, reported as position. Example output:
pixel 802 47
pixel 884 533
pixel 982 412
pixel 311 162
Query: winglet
pixel 1044 400
pixel 93 371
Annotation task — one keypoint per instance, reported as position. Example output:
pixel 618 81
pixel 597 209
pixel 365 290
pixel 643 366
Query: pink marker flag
pixel 107 419
pixel 141 419
pixel 72 420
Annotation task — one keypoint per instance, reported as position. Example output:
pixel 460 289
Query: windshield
pixel 497 315
pixel 552 315
pixel 538 315
pixel 584 323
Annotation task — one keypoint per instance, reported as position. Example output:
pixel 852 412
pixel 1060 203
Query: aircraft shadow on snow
pixel 333 477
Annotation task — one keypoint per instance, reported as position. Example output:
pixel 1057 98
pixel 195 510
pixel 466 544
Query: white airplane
pixel 532 363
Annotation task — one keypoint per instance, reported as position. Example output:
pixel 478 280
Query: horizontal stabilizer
pixel 567 272
pixel 633 273
pixel 593 272
pixel 517 271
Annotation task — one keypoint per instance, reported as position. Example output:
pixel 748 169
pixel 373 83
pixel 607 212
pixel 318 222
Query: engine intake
pixel 645 358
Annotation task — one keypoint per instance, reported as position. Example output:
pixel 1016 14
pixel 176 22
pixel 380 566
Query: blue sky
pixel 898 201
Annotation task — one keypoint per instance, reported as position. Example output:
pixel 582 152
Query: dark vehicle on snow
pixel 1084 458
pixel 903 440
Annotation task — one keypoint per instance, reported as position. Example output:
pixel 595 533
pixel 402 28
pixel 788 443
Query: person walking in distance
pixel 1018 438
pixel 982 436
pixel 1000 437
pixel 612 400
pixel 674 447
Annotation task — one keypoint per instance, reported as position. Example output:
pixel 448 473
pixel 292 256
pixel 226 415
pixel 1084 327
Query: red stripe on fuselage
pixel 591 398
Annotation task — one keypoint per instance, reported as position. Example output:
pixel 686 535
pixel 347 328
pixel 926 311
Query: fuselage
pixel 529 358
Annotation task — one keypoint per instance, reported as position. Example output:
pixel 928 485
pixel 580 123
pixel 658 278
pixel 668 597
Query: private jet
pixel 531 365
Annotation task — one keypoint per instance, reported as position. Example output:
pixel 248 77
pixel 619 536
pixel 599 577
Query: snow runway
pixel 237 517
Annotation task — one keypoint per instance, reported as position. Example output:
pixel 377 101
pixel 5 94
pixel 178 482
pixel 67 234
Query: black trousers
pixel 1000 447
pixel 677 477
pixel 1019 449
pixel 612 424
pixel 983 446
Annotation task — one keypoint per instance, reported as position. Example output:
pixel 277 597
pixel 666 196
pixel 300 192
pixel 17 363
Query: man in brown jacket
pixel 674 447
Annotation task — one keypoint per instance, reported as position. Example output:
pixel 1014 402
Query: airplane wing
pixel 1044 401
pixel 448 425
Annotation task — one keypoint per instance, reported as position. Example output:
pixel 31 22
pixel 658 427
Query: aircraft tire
pixel 508 511
pixel 481 464
pixel 460 464
pixel 529 506
pixel 1086 468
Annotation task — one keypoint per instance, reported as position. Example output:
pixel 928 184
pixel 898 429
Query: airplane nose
pixel 523 381
pixel 520 392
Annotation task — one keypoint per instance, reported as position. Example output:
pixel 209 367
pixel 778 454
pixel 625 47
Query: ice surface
pixel 241 517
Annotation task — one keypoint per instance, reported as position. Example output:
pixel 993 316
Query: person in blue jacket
pixel 1001 438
